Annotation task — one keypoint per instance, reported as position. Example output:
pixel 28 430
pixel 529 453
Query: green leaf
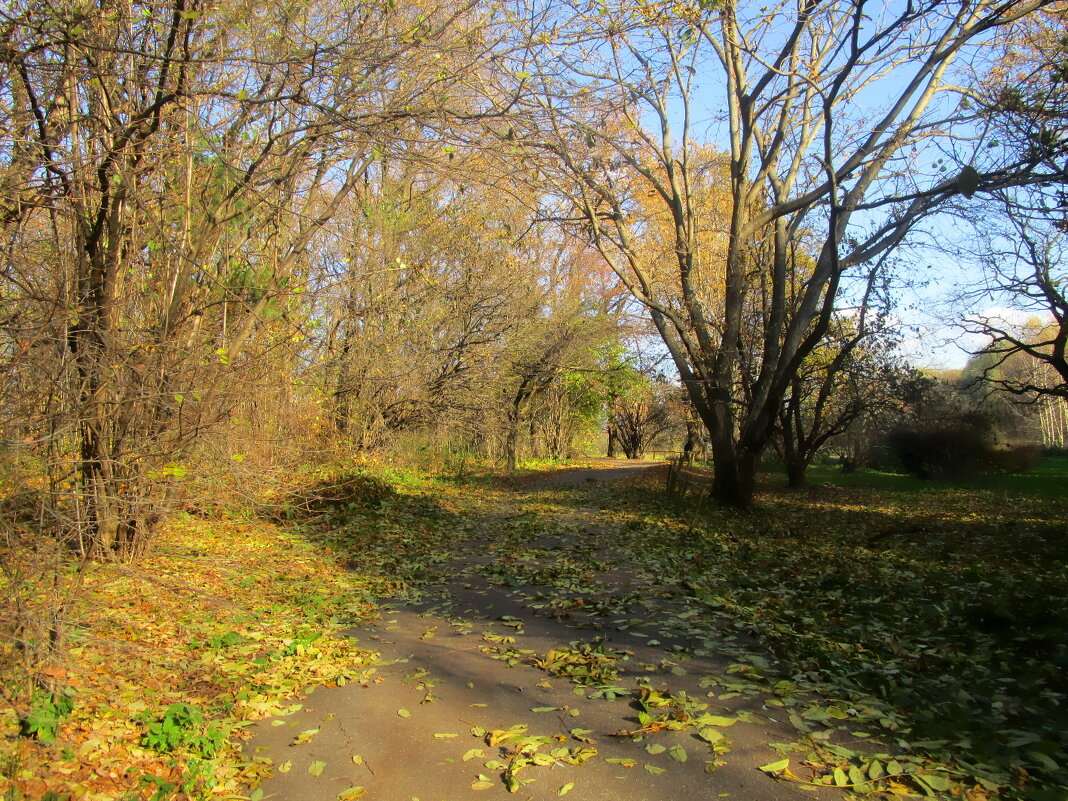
pixel 653 769
pixel 286 766
pixel 840 778
pixel 716 720
pixel 351 794
pixel 316 767
pixel 445 736
pixel 565 789
pixel 678 753
pixel 711 735
pixel 655 748
pixel 626 762
pixel 939 784
pixel 474 753
pixel 775 767
pixel 404 713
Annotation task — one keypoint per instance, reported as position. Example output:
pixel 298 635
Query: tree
pixel 1019 231
pixel 1023 256
pixel 643 414
pixel 850 376
pixel 171 162
pixel 832 119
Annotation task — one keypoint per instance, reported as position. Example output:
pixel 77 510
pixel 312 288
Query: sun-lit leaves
pixel 776 767
pixel 226 617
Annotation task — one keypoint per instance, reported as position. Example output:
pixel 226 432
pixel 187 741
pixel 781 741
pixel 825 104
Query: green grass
pixel 1048 479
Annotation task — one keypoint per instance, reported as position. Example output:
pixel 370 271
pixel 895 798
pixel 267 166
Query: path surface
pixel 538 614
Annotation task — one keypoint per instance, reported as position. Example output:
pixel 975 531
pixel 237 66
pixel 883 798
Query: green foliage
pixel 182 726
pixel 47 711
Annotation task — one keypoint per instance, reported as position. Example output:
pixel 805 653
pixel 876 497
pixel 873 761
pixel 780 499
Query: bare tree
pixel 834 113
pixel 1025 270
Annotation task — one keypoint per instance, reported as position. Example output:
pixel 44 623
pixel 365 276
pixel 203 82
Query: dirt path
pixel 540 642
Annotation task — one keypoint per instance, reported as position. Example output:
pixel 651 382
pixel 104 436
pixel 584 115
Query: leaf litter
pixel 808 597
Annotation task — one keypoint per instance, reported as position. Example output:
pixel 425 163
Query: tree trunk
pixel 795 473
pixel 734 473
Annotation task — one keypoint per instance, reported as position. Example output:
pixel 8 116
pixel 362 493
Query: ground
pixel 576 631
pixel 516 668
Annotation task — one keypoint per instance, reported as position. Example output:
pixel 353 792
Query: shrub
pixel 956 450
pixel 948 451
pixel 182 726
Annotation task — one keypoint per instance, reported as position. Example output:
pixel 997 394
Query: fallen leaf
pixel 304 737
pixel 775 767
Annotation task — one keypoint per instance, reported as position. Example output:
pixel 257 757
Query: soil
pixel 458 664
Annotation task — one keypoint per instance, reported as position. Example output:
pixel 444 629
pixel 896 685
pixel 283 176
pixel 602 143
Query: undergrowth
pixel 916 640
pixel 167 661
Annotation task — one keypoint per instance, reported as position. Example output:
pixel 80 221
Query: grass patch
pixel 1048 479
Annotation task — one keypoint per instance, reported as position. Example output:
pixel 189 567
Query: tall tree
pixel 833 116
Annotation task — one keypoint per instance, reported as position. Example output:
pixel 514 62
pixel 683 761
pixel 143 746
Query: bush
pixel 954 450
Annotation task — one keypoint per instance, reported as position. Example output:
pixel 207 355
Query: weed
pixel 47 710
pixel 182 726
